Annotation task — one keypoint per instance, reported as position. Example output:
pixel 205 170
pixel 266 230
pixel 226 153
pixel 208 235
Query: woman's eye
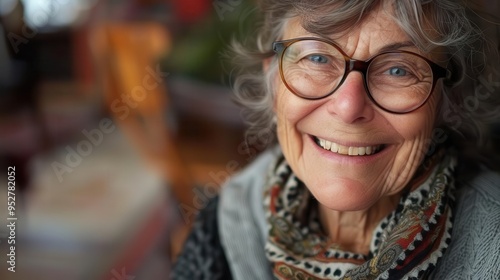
pixel 317 58
pixel 397 71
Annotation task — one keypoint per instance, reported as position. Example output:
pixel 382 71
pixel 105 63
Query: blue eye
pixel 396 71
pixel 318 58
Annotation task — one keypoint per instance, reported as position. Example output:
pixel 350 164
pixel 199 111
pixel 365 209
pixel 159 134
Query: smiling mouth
pixel 347 150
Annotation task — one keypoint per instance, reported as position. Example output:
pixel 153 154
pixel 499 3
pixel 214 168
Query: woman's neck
pixel 352 230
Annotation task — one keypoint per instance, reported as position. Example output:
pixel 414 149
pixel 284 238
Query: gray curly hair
pixel 470 101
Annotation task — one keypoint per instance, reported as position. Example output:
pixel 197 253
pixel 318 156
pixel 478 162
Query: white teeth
pixel 334 148
pixel 368 150
pixel 328 145
pixel 345 150
pixel 322 142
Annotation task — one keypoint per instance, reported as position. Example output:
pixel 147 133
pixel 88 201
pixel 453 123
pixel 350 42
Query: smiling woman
pixel 373 176
pixel 347 120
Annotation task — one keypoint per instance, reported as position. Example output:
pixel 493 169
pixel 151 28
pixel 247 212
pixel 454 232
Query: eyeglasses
pixel 397 81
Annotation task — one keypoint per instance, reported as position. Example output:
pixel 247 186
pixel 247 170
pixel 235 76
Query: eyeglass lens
pixel 398 82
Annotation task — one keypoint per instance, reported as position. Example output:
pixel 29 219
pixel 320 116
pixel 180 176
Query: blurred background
pixel 117 117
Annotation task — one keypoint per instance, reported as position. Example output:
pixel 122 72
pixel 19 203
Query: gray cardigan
pixel 474 252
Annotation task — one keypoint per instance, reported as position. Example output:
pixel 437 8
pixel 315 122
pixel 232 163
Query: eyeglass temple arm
pixel 278 47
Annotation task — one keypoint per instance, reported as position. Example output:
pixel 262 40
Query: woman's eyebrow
pixel 396 46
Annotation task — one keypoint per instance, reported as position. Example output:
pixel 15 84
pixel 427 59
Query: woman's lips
pixel 347 150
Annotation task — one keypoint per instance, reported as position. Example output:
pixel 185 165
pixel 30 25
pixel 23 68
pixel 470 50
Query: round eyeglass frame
pixel 438 72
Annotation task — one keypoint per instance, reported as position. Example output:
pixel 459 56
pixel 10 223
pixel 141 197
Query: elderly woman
pixel 381 110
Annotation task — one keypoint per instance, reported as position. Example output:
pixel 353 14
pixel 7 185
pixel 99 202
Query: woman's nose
pixel 350 102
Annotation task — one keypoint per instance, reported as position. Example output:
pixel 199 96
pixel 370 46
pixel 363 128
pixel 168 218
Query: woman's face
pixel 351 121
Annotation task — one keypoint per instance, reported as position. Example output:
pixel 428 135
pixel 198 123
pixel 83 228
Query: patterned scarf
pixel 407 244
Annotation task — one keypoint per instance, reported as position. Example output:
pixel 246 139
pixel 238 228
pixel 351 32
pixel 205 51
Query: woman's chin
pixel 344 194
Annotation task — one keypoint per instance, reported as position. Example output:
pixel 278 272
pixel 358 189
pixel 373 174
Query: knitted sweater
pixel 474 252
pixel 228 238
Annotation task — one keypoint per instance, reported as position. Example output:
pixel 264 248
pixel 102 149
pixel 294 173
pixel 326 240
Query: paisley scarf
pixel 406 244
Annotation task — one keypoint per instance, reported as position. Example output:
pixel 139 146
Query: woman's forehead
pixel 377 33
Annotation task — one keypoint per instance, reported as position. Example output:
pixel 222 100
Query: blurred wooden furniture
pixel 209 123
pixel 127 53
pixel 136 95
